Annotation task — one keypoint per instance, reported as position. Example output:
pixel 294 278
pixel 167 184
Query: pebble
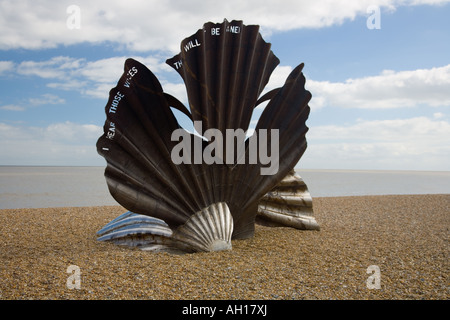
pixel 405 236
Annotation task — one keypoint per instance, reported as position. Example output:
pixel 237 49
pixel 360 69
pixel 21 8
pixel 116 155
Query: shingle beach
pixel 406 237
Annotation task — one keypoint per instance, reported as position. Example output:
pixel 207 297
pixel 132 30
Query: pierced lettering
pixel 215 31
pixel 131 73
pixel 191 44
pixel 233 29
pixel 178 64
pixel 115 102
pixel 111 131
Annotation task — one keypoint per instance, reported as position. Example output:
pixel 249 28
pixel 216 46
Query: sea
pixel 44 187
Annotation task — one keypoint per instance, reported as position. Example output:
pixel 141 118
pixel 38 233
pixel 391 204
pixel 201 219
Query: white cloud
pixel 418 143
pixel 46 99
pixel 12 107
pixel 103 74
pixel 64 143
pixel 390 89
pixel 65 131
pixel 96 78
pixel 55 68
pixel 278 77
pixel 103 70
pixel 438 115
pixel 178 90
pixel 161 25
pixel 91 78
pixel 6 66
pixel 69 85
pixel 71 133
pixel 412 129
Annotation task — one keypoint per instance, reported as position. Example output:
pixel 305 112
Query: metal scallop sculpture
pixel 197 204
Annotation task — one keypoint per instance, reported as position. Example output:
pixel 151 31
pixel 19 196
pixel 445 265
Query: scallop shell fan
pixel 225 72
pixel 289 204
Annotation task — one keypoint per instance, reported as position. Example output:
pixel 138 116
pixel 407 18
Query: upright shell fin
pixel 225 67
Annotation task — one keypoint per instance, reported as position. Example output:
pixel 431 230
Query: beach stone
pixel 406 236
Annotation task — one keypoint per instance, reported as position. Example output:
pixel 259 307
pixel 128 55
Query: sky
pixel 378 72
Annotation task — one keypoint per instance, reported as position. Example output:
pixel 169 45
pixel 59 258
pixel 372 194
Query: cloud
pixel 68 85
pixel 161 25
pixel 102 70
pixel 101 75
pixel 402 130
pixel 96 78
pixel 12 107
pixel 278 77
pixel 418 143
pixel 44 99
pixel 55 68
pixel 388 90
pixel 65 143
pixel 71 133
pixel 438 115
pixel 64 131
pixel 91 78
pixel 6 66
